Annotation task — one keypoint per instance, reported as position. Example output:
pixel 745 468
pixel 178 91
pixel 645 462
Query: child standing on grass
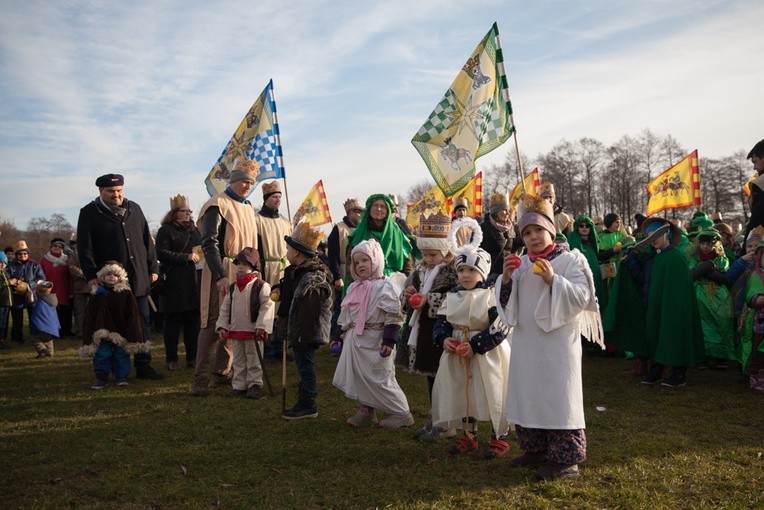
pixel 306 292
pixel 112 329
pixel 471 383
pixel 551 302
pixel 370 320
pixel 430 282
pixel 6 299
pixel 43 322
pixel 751 348
pixel 246 318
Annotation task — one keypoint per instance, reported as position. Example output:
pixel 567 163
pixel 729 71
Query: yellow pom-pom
pixel 538 268
pixel 275 296
pixel 618 244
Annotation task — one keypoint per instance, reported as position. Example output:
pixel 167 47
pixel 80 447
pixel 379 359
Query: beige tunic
pixel 240 232
pixel 344 232
pixel 274 247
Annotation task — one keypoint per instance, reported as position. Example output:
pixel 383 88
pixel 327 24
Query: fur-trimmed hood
pixel 115 269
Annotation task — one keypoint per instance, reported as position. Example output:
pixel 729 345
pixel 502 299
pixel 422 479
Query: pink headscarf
pixel 358 296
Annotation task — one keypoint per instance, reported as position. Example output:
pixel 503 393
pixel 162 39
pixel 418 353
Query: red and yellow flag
pixel 434 201
pixel 747 185
pixel 314 208
pixel 531 183
pixel 677 187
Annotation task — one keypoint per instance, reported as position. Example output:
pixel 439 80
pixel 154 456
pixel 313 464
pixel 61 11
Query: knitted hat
pixel 44 287
pixel 20 246
pixel 179 202
pixel 3 257
pixel 372 249
pixel 57 241
pixel 433 233
pixel 304 238
pixel 248 256
pixel 270 188
pixel 499 202
pixel 115 268
pixel 757 234
pixel 709 235
pixel 470 254
pixel 700 220
pixel 110 180
pixel 536 211
pixel 352 204
pixel 610 219
pixel 244 169
pixel 460 203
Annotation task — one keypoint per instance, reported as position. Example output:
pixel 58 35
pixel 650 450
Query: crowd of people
pixel 495 312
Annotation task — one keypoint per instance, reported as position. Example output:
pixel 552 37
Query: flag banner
pixel 747 185
pixel 314 208
pixel 257 138
pixel 434 201
pixel 472 119
pixel 530 184
pixel 677 187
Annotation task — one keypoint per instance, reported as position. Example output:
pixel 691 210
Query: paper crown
pixel 304 238
pixel 499 202
pixel 247 166
pixel 533 204
pixel 546 189
pixel 352 203
pixel 269 188
pixel 179 202
pixel 20 246
pixel 461 202
pixel 435 225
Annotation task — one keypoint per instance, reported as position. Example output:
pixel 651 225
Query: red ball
pixel 415 300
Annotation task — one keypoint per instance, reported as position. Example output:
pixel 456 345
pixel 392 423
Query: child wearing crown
pixel 551 303
pixel 471 382
pixel 423 292
pixel 370 320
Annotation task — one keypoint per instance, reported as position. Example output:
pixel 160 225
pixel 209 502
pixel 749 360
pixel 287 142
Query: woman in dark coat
pixel 178 241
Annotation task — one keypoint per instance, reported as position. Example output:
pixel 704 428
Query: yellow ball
pixel 275 296
pixel 537 268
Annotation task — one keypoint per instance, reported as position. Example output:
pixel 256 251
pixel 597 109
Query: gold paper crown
pixel 352 203
pixel 531 203
pixel 546 190
pixel 306 236
pixel 247 166
pixel 20 246
pixel 271 187
pixel 499 201
pixel 179 202
pixel 461 202
pixel 436 225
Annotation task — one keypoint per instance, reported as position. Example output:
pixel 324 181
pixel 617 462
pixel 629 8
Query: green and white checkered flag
pixel 473 118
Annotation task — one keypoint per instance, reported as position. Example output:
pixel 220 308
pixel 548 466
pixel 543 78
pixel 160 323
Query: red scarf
pixel 242 281
pixel 535 256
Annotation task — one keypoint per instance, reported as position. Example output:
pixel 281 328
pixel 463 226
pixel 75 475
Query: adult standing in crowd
pixel 464 234
pixel 563 222
pixel 178 249
pixel 272 228
pixel 377 221
pixel 610 241
pixel 55 265
pixel 227 224
pixel 111 227
pixel 23 274
pixel 498 232
pixel 756 186
pixel 80 287
pixel 396 216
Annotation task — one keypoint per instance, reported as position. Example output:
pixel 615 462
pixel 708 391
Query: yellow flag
pixel 314 207
pixel 747 185
pixel 531 183
pixel 677 187
pixel 434 201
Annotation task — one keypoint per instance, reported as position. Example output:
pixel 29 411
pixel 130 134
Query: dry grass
pixel 151 445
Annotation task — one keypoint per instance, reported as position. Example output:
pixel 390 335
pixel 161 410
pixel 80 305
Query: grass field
pixel 152 445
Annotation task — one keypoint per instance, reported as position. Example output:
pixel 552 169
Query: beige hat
pixel 20 246
pixel 269 188
pixel 179 202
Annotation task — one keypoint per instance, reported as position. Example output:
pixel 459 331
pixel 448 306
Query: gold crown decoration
pixel 546 190
pixel 352 203
pixel 269 188
pixel 20 246
pixel 461 202
pixel 179 202
pixel 305 237
pixel 247 166
pixel 499 202
pixel 531 203
pixel 436 225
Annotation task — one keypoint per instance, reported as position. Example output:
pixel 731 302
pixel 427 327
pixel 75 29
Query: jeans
pixel 274 347
pixel 17 322
pixel 110 358
pixel 173 321
pixel 142 360
pixel 306 370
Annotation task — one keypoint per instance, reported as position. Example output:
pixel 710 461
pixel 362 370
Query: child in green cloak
pixel 584 239
pixel 751 348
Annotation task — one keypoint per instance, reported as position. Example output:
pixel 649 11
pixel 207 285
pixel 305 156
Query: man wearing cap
pixel 227 224
pixel 23 274
pixel 112 227
pixel 271 229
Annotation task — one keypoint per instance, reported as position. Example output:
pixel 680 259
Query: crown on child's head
pixel 531 203
pixel 435 225
pixel 461 202
pixel 304 238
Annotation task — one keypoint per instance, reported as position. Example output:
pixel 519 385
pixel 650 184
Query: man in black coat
pixel 756 199
pixel 114 228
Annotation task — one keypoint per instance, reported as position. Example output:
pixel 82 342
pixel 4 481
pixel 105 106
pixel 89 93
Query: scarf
pixel 61 260
pixel 396 246
pixel 501 228
pixel 357 298
pixel 706 256
pixel 242 281
pixel 427 280
pixel 543 255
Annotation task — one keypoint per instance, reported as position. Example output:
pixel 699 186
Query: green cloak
pixel 717 317
pixel 590 252
pixel 754 287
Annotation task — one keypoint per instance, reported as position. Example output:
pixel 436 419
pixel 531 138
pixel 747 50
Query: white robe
pixel 362 374
pixel 545 387
pixel 483 397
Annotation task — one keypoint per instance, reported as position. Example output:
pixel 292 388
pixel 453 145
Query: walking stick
pixel 283 374
pixel 467 367
pixel 262 365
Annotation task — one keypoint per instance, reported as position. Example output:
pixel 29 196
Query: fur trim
pixel 120 287
pixel 89 350
pixel 113 269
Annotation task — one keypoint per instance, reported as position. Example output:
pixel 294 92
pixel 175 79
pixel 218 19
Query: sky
pixel 155 89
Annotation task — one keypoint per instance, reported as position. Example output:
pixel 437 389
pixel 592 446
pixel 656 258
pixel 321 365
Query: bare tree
pixel 41 230
pixel 623 180
pixel 590 153
pixel 716 186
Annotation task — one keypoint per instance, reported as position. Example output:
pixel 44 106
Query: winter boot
pixel 677 378
pixel 304 408
pixel 655 374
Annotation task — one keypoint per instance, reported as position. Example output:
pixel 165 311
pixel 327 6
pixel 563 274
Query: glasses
pixel 378 206
pixel 185 210
pixel 357 211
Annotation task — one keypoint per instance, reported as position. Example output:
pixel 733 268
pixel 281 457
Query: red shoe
pixel 497 448
pixel 464 444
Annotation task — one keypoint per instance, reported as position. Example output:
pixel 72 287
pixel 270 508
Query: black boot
pixel 677 379
pixel 304 408
pixel 655 374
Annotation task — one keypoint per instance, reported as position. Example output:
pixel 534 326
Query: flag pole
pixel 277 136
